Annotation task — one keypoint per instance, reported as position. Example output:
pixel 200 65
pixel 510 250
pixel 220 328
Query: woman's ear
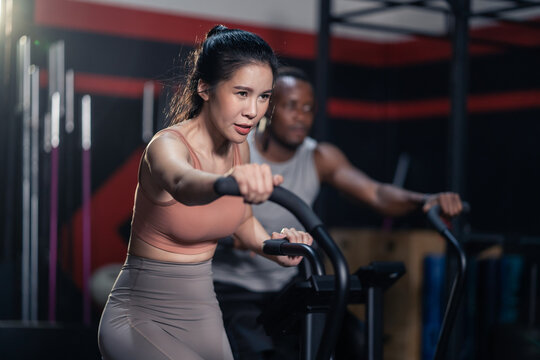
pixel 203 90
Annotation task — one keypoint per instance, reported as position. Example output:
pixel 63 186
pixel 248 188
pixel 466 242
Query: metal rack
pixel 459 13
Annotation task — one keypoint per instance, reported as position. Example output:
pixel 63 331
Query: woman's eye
pixel 265 96
pixel 242 93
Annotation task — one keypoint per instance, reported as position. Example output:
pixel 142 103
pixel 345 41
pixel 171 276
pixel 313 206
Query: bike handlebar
pixel 310 221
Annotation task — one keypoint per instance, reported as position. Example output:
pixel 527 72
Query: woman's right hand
pixel 255 181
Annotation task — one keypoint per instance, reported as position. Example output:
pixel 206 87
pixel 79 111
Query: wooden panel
pixel 402 301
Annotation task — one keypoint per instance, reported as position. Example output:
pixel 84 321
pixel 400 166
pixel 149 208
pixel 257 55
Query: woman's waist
pixel 165 285
pixel 144 250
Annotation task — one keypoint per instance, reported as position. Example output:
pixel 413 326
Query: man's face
pixel 293 112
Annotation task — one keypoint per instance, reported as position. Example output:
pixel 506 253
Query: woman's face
pixel 236 105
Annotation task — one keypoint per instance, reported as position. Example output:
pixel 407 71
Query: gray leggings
pixel 161 310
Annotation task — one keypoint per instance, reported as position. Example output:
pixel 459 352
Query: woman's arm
pixel 251 236
pixel 168 162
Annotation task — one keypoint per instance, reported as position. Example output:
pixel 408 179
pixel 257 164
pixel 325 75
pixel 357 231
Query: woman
pixel 163 304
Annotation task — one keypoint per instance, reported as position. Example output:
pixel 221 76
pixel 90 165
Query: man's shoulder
pixel 327 155
pixel 310 143
pixel 325 147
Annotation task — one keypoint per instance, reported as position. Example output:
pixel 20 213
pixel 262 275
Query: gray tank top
pixel 254 272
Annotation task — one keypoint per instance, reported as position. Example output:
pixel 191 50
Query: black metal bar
pixel 341 270
pixel 349 14
pixel 392 29
pixel 459 85
pixel 387 5
pixel 283 247
pixel 313 325
pixel 456 292
pixel 457 143
pixel 374 323
pixel 533 285
pixel 454 298
pixel 515 22
pixel 423 34
pixel 320 126
pixel 494 12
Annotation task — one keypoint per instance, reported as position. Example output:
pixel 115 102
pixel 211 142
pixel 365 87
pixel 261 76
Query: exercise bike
pixel 319 301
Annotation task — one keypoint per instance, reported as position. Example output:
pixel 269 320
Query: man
pixel 244 282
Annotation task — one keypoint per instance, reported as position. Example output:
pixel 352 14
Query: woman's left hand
pixel 294 236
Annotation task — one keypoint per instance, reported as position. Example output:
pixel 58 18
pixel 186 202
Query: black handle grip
pixel 284 247
pixel 226 186
pixel 281 196
pixel 456 292
pixel 273 246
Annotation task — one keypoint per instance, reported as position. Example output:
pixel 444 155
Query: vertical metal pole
pixel 320 126
pixel 148 112
pixel 70 101
pixel 69 146
pixel 86 202
pixel 56 101
pixel 6 33
pixel 23 65
pixel 320 130
pixel 53 211
pixel 57 73
pixel 47 133
pixel 374 323
pixel 6 101
pixel 459 84
pixel 533 285
pixel 457 142
pixel 60 75
pixel 34 196
pixel 52 71
pixel 312 328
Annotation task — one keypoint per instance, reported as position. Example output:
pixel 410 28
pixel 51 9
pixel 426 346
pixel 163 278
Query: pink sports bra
pixel 182 229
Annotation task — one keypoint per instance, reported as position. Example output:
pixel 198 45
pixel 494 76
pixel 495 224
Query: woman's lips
pixel 242 129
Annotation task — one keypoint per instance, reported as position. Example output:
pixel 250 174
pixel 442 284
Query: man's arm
pixel 335 169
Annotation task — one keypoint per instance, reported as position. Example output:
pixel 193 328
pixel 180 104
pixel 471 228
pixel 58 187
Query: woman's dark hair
pixel 222 52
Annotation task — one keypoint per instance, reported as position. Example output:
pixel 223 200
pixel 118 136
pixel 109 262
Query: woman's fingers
pixel 295 236
pixel 255 182
pixel 267 181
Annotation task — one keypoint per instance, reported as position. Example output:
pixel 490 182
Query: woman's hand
pixel 255 181
pixel 294 236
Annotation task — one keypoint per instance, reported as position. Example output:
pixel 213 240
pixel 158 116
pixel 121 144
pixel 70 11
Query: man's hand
pixel 449 202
